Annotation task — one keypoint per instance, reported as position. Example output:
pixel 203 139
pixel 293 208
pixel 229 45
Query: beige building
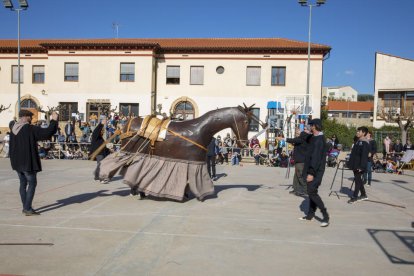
pixel 341 93
pixel 394 87
pixel 186 77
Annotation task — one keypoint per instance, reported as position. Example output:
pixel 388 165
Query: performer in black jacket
pixel 358 163
pixel 301 144
pixel 313 171
pixel 24 155
pixel 96 141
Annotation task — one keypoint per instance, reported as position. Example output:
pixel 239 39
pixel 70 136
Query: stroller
pixel 332 159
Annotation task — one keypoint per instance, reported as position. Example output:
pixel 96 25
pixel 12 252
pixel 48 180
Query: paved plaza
pixel 250 228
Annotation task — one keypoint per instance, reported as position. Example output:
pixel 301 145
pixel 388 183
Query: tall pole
pixel 308 73
pixel 18 60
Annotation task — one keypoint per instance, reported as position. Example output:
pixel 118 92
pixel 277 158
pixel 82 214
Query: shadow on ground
pixel 398 246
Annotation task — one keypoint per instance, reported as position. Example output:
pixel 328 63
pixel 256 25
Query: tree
pixel 49 111
pixel 365 98
pixel 403 118
pixel 4 108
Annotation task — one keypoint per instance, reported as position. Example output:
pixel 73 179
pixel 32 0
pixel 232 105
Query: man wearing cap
pixel 313 171
pixel 24 155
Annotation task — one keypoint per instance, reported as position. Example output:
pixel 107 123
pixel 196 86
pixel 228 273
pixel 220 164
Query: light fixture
pixel 44 92
pixel 23 6
pixel 8 4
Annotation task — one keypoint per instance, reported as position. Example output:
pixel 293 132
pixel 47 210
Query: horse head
pixel 241 121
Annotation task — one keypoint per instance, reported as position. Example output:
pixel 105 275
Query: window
pixel 128 109
pixel 28 103
pixel 278 76
pixel 66 109
pixel 173 74
pixel 127 72
pixel 38 74
pixel 220 70
pixel 197 75
pixel 184 111
pixel 254 125
pixel 15 74
pixel 253 76
pixel 71 71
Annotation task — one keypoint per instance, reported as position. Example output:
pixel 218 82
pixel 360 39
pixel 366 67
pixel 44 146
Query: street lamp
pixel 23 6
pixel 304 3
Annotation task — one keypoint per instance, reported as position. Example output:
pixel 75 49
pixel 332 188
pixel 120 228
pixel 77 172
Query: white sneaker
pixel 105 181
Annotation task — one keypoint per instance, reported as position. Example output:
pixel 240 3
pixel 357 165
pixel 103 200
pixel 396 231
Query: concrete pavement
pixel 250 228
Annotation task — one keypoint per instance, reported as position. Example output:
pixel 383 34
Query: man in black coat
pixel 96 141
pixel 301 144
pixel 358 163
pixel 313 171
pixel 212 151
pixel 24 155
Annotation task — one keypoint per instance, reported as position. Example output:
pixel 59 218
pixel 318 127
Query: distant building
pixel 394 86
pixel 341 93
pixel 351 113
pixel 185 77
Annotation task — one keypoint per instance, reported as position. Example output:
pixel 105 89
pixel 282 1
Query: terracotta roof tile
pixel 353 106
pixel 168 44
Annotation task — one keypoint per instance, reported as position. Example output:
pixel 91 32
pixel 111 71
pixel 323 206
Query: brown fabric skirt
pixel 159 176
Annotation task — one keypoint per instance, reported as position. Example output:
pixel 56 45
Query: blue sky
pixel 355 29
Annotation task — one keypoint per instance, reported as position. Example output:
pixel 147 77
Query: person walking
pixel 24 155
pixel 301 144
pixel 313 171
pixel 358 164
pixel 96 141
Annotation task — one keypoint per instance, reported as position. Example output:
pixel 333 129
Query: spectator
pixel 6 146
pixel 398 147
pixel 358 163
pixel 222 152
pixel 254 141
pixel 235 157
pixel 69 131
pixel 56 134
pixel 372 152
pixel 256 153
pixel 335 141
pixel 408 145
pixel 93 119
pixel 24 156
pixel 386 143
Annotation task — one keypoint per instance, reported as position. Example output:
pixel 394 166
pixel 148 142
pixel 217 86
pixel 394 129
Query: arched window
pixel 28 103
pixel 184 110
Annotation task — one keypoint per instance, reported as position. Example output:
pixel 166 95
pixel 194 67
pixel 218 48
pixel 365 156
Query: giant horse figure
pixel 167 168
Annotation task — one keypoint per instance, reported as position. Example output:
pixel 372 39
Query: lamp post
pixel 23 6
pixel 304 3
pixel 347 114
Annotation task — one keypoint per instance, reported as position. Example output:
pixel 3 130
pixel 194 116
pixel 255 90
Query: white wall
pixel 393 74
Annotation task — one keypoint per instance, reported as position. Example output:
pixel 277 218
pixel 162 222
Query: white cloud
pixel 349 72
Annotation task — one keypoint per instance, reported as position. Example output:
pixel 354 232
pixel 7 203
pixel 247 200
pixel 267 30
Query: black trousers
pixel 211 165
pixel 315 201
pixel 359 184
